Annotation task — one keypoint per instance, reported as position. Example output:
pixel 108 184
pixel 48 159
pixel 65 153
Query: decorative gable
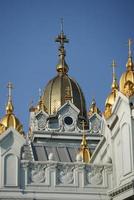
pixel 41 118
pixel 95 123
pixel 11 143
pixel 68 116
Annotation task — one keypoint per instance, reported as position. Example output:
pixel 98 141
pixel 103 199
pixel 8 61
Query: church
pixel 70 152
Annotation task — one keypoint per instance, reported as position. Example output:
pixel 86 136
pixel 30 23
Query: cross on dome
pixel 10 87
pixel 61 38
pixel 129 47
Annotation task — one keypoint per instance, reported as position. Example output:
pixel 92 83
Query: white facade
pixel 110 174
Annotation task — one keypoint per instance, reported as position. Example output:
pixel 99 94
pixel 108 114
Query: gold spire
pixel 9 106
pixel 114 83
pixel 112 96
pixel 129 63
pixel 10 120
pixel 93 108
pixel 62 67
pixel 84 150
pixel 127 78
pixel 41 105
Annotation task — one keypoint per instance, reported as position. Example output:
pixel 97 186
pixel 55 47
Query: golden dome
pixel 112 96
pixel 62 88
pixel 55 94
pixel 127 78
pixel 10 120
pixel 93 108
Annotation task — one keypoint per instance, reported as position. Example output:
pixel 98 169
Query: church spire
pixel 129 63
pixel 114 85
pixel 84 150
pixel 9 106
pixel 41 105
pixel 62 67
pixel 10 120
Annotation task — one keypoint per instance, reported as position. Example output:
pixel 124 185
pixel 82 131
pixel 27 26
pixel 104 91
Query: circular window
pixel 68 120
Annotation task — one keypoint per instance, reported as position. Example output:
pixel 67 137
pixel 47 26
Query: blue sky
pixel 98 31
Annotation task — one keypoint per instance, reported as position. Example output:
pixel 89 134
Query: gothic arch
pixel 10 170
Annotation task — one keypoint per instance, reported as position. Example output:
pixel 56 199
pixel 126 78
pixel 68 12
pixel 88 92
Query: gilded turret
pixel 112 96
pixel 10 120
pixel 93 108
pixel 84 150
pixel 127 78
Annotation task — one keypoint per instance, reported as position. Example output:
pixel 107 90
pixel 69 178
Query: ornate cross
pixel 61 38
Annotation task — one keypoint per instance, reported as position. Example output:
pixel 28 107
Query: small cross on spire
pixel 113 66
pixel 61 38
pixel 129 46
pixel 10 87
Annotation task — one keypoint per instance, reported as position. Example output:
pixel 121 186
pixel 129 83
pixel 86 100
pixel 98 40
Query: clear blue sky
pixel 98 31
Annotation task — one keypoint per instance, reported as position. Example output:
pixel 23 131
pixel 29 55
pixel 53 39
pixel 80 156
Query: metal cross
pixel 61 38
pixel 113 66
pixel 129 46
pixel 10 87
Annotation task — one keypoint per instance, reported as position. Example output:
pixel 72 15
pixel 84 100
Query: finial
pixel 62 67
pixel 41 104
pixel 9 106
pixel 113 66
pixel 84 141
pixel 93 108
pixel 61 38
pixel 130 64
pixel 10 87
pixel 114 83
pixel 62 25
pixel 84 150
pixel 129 47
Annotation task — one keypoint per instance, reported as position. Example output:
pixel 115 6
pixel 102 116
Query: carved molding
pixel 65 174
pixel 37 173
pixel 94 175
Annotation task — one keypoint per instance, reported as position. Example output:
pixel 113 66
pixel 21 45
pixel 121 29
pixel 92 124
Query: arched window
pixel 11 170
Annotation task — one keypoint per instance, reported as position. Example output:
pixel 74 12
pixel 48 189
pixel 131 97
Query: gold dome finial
pixel 129 47
pixel 10 120
pixel 62 66
pixel 127 78
pixel 112 96
pixel 41 104
pixel 114 83
pixel 129 63
pixel 84 150
pixel 9 106
pixel 93 108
